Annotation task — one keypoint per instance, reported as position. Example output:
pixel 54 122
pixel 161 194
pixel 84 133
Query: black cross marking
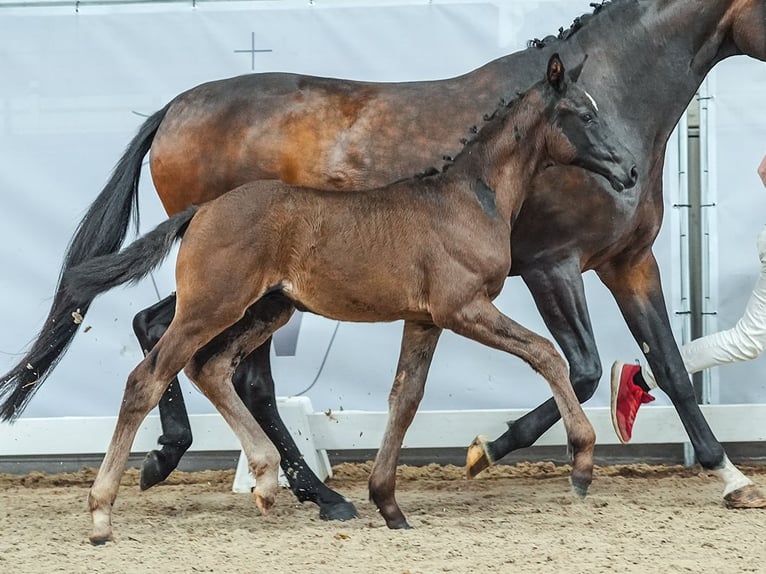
pixel 252 51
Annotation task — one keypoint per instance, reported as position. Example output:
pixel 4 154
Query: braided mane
pixel 578 23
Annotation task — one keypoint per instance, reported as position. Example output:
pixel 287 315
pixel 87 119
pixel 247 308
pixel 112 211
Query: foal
pixel 433 251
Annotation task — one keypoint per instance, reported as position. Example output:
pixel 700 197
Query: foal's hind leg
pixel 480 320
pixel 418 346
pixel 212 370
pixel 143 389
pixel 255 386
pixel 149 325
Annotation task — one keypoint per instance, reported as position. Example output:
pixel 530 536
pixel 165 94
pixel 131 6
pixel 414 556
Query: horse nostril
pixel 634 174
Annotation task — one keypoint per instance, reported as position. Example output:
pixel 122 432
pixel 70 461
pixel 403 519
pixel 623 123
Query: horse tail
pixel 101 231
pixel 100 274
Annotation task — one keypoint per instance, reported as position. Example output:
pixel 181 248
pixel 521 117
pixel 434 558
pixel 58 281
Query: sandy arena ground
pixel 514 519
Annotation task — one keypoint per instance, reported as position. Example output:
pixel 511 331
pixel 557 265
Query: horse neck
pixel 506 154
pixel 647 58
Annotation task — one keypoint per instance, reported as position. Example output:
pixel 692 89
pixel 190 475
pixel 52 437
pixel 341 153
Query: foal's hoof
pixel 581 479
pixel 746 497
pixel 478 458
pixel 580 486
pixel 399 525
pixel 154 469
pixel 340 511
pixel 264 502
pixel 99 540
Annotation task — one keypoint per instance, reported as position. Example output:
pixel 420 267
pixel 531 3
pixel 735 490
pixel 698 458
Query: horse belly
pixel 353 295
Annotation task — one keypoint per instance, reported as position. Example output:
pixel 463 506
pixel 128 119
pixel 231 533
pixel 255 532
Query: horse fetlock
pixel 266 484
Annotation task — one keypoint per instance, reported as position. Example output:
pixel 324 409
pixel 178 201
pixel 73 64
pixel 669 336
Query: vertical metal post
pixel 695 232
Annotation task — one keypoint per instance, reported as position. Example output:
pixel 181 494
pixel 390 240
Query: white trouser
pixel 743 342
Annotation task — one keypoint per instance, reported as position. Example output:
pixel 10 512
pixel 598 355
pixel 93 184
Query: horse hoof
pixel 580 487
pixel 399 524
pixel 746 497
pixel 99 539
pixel 477 458
pixel 340 511
pixel 581 478
pixel 154 469
pixel 264 502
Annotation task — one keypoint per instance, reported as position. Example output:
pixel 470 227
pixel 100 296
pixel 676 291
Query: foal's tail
pixel 136 261
pixel 100 232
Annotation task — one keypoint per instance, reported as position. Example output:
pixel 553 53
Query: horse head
pixel 577 135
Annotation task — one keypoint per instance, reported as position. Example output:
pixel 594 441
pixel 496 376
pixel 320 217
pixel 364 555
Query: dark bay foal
pixel 433 251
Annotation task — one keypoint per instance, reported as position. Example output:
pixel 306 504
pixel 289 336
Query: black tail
pixel 100 232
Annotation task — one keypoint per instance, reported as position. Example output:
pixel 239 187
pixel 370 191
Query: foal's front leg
pixel 418 346
pixel 560 298
pixel 481 321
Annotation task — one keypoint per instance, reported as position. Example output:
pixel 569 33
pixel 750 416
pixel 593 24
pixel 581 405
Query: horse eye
pixel 587 118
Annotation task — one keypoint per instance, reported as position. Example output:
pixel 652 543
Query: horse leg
pixel 143 390
pixel 560 298
pixel 481 321
pixel 636 288
pixel 418 346
pixel 255 386
pixel 212 370
pixel 149 325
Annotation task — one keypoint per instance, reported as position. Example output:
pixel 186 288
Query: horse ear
pixel 574 73
pixel 555 73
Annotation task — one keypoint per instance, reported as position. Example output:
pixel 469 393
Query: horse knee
pixel 585 379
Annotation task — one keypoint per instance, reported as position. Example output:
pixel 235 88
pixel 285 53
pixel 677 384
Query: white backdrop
pixel 736 127
pixel 74 89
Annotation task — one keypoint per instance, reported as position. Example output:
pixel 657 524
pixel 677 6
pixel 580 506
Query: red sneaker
pixel 627 398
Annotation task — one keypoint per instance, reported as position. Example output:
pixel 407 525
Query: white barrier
pixel 315 433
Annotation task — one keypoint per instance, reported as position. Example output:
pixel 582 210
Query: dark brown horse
pixel 433 251
pixel 647 58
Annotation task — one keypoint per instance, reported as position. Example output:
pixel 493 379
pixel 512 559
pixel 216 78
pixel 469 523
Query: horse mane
pixel 474 131
pixel 577 24
pixel 562 35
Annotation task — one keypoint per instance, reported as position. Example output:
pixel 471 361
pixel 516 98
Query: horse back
pixel 323 133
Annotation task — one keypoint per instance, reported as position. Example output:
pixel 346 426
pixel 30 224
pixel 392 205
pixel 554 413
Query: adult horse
pixel 432 251
pixel 646 63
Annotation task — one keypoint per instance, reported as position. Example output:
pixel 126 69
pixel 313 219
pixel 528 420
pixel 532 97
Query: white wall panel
pixel 737 130
pixel 73 88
